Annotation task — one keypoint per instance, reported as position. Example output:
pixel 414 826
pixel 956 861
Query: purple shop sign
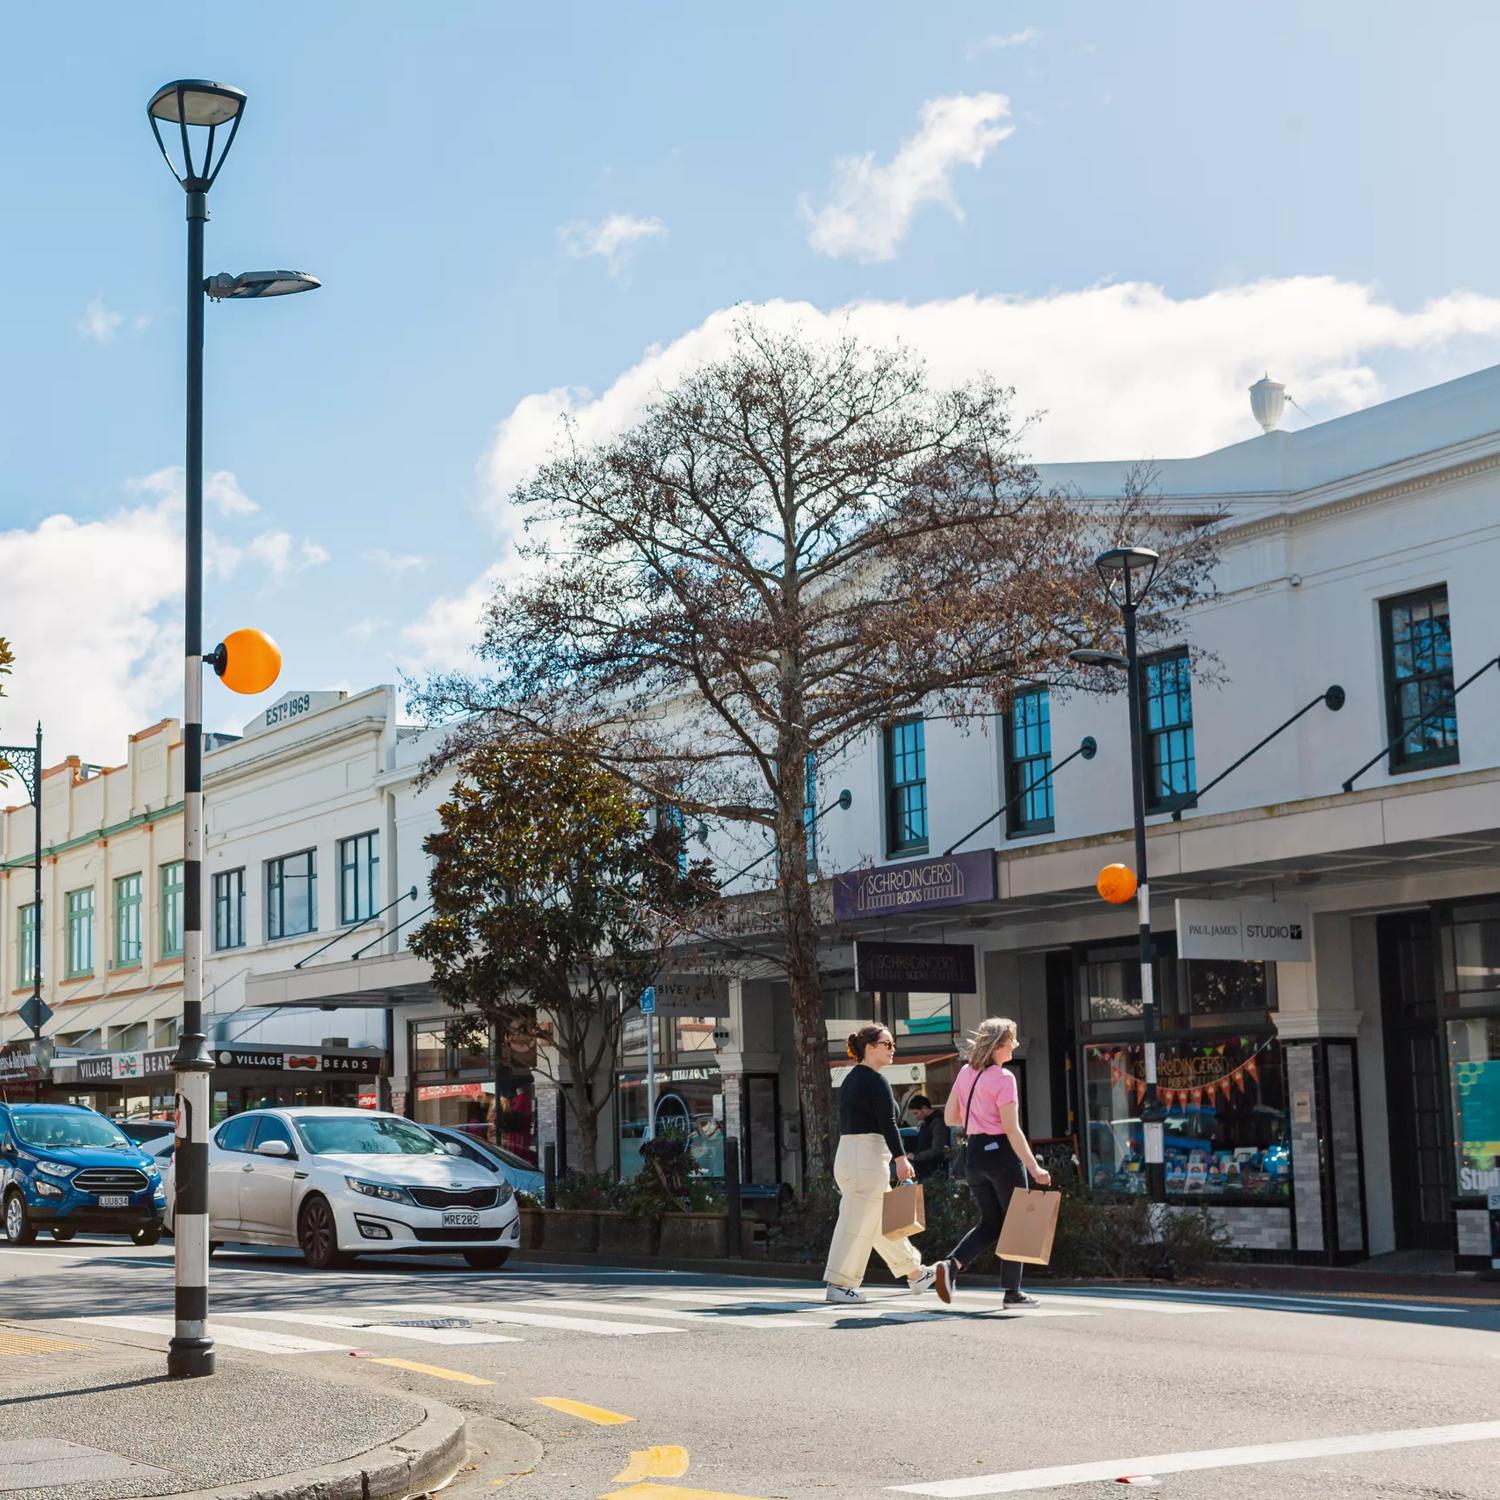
pixel 916 885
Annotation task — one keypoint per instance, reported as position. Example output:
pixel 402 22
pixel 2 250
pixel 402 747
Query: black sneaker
pixel 947 1275
pixel 1020 1299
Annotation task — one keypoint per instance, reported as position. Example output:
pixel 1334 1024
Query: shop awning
pixel 375 983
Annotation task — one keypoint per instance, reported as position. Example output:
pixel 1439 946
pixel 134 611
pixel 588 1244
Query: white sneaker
pixel 844 1294
pixel 925 1282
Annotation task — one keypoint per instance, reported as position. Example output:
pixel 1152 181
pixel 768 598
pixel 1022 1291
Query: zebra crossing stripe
pixel 364 1326
pixel 223 1333
pixel 505 1312
pixel 765 1320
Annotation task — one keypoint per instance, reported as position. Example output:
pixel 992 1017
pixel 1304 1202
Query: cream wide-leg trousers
pixel 862 1169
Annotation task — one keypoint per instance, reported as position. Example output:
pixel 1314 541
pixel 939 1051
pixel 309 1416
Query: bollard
pixel 549 1174
pixel 732 1192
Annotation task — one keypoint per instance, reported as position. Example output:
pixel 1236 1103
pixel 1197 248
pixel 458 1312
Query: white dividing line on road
pixel 1255 1300
pixel 719 1316
pixel 364 1326
pixel 506 1312
pixel 222 1333
pixel 1208 1458
pixel 893 1304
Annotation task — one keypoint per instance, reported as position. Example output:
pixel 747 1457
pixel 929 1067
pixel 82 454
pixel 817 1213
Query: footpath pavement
pixel 88 1419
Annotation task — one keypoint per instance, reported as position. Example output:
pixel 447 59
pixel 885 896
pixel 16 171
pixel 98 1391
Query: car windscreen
pixel 45 1130
pixel 353 1135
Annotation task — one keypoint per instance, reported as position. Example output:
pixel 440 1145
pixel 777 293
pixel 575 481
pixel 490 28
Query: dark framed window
pixel 810 812
pixel 906 787
pixel 359 867
pixel 1167 727
pixel 292 895
pixel 229 909
pixel 1418 645
pixel 171 909
pixel 1028 760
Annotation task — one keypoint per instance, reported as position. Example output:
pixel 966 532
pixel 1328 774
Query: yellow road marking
pixel 671 1492
pixel 582 1409
pixel 665 1462
pixel 462 1376
pixel 35 1343
pixel 1402 1297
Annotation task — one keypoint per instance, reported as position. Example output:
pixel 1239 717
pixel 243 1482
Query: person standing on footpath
pixel 868 1144
pixel 986 1102
pixel 931 1154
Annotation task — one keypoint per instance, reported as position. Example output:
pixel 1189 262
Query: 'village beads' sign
pixel 1277 930
pixel 917 885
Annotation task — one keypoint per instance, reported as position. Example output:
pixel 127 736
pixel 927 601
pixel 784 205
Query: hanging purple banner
pixel 917 885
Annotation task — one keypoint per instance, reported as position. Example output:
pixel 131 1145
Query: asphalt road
pixel 699 1387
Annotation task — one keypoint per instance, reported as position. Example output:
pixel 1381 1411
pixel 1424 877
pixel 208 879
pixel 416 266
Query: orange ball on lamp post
pixel 1116 883
pixel 248 661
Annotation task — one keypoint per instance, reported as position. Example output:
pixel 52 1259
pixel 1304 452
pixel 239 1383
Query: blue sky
pixel 1129 212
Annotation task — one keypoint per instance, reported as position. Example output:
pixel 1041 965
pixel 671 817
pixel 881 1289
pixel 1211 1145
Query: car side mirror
pixel 273 1148
pixel 7 1147
pixel 453 1148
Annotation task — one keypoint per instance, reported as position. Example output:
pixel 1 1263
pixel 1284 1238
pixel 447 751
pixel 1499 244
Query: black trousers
pixel 994 1172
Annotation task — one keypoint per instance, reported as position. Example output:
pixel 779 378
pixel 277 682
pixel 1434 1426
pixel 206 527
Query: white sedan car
pixel 341 1182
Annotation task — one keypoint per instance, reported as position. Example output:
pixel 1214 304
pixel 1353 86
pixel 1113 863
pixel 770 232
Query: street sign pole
pixel 648 1010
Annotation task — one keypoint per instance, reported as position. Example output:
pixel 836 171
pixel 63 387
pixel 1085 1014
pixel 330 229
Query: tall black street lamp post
pixel 26 762
pixel 1128 573
pixel 199 110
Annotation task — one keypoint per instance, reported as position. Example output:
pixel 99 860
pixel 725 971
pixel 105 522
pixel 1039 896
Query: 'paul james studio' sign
pixel 917 885
pixel 1280 931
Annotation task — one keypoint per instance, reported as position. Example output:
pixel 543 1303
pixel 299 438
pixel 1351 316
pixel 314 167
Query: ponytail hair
pixel 995 1032
pixel 865 1037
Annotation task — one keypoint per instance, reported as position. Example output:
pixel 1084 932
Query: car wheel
pixel 486 1260
pixel 147 1234
pixel 19 1229
pixel 317 1234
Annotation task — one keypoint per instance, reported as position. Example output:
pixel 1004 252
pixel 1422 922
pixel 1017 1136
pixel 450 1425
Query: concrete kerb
pixel 417 1462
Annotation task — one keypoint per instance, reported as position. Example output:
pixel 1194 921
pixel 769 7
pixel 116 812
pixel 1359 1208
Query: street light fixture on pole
pixel 26 762
pixel 1128 573
pixel 248 662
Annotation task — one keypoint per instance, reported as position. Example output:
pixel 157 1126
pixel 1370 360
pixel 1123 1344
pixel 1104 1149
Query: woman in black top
pixel 868 1143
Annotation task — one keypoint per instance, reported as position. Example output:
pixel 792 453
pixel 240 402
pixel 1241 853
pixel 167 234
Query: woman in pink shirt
pixel 984 1103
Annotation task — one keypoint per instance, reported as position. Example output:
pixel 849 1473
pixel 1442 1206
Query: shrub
pixel 586 1190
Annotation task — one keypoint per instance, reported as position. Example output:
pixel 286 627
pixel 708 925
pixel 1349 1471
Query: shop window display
pixel 690 1107
pixel 1474 1057
pixel 1227 1134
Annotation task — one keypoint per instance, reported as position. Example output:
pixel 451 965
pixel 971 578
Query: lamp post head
pixel 1088 747
pixel 197 104
pixel 1088 658
pixel 259 284
pixel 1131 569
pixel 846 799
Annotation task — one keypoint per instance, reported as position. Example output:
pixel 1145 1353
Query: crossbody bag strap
pixel 973 1089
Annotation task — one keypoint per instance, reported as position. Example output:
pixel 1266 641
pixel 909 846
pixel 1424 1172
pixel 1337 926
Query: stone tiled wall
pixel 1257 1228
pixel 1307 1186
pixel 1344 1147
pixel 1473 1232
pixel 547 1109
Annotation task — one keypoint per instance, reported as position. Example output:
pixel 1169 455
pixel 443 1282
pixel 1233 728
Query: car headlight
pixel 55 1169
pixel 49 1190
pixel 385 1190
pixel 506 1193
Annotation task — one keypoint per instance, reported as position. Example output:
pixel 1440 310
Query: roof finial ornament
pixel 1268 402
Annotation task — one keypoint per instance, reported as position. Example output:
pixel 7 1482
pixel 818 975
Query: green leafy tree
pixel 555 895
pixel 794 546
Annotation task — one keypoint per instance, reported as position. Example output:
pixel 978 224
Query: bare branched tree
pixel 791 548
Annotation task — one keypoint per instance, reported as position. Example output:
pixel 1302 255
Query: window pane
pixel 906 786
pixel 171 909
pixel 1474 1057
pixel 1167 711
pixel 1419 680
pixel 127 920
pixel 1028 762
pixel 291 895
pixel 1226 1128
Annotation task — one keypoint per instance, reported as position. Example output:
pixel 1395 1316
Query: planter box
pixel 533 1228
pixel 571 1229
pixel 619 1235
pixel 702 1236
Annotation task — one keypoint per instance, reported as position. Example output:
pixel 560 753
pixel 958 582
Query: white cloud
pixel 610 238
pixel 221 489
pixel 397 564
pixel 282 556
pixel 98 322
pixel 1117 371
pixel 871 207
pixel 1026 37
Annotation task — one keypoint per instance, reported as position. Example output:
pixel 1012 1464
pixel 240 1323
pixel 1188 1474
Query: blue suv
pixel 66 1168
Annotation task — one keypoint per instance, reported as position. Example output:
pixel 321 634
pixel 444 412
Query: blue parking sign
pixel 648 1000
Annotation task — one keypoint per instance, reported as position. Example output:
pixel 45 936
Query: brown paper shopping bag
pixel 1030 1223
pixel 903 1211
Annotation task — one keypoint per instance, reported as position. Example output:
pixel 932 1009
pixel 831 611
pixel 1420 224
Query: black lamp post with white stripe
pixel 195 112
